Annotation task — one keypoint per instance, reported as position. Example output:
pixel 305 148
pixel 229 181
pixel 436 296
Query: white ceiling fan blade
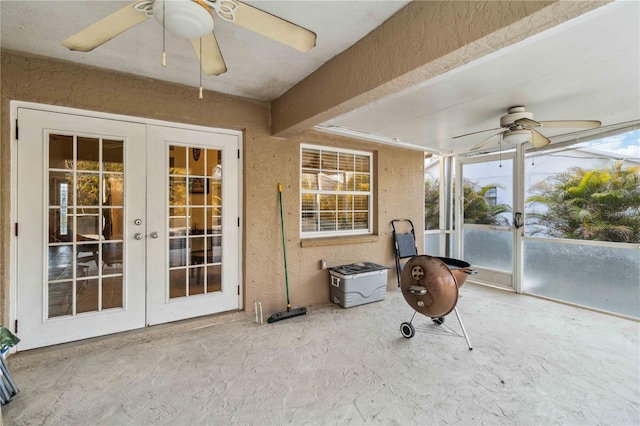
pixel 211 59
pixel 538 140
pixel 105 29
pixel 579 124
pixel 475 133
pixel 489 139
pixel 274 28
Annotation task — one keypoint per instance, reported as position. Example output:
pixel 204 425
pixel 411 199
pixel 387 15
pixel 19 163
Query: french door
pixel 488 205
pixel 121 225
pixel 193 245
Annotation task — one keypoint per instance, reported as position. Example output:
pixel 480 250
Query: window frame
pixel 370 194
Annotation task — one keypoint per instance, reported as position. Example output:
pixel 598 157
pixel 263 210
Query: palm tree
pixel 600 204
pixel 476 208
pixel 431 204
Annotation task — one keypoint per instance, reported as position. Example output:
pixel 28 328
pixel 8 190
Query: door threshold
pixel 117 340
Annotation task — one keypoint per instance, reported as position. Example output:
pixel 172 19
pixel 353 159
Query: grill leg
pixel 463 329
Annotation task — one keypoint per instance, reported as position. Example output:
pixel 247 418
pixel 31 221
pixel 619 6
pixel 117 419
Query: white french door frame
pixel 14 105
pixel 517 158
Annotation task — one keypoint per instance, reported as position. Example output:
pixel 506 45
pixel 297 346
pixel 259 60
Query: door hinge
pixel 238 290
pixel 17 132
pixel 238 154
pixel 16 229
pixel 238 222
pixel 15 328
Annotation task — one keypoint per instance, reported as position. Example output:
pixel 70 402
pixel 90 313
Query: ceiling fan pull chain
pixel 200 94
pixel 500 144
pixel 164 36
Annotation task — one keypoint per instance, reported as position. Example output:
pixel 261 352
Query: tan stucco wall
pixel 267 161
pixel 400 190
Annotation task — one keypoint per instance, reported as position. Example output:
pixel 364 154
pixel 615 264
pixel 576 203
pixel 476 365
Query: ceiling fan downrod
pixel 226 9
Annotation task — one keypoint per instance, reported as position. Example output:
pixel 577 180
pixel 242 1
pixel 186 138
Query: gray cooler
pixel 358 283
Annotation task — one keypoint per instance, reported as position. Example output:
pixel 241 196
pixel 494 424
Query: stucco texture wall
pixel 267 161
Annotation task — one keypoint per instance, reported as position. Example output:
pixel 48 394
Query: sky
pixel 625 144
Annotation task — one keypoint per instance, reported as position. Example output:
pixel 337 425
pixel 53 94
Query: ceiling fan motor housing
pixel 515 113
pixel 184 18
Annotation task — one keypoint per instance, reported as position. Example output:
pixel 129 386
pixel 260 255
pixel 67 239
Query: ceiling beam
pixel 423 40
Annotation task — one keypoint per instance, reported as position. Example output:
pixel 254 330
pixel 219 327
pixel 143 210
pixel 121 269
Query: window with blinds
pixel 336 192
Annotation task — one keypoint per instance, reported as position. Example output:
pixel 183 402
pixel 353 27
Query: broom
pixel 289 313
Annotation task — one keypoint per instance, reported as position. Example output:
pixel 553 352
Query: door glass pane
pixel 112 258
pixel 87 299
pixel 214 220
pixel 113 220
pixel 488 193
pixel 60 189
pixel 196 251
pixel 214 164
pixel 60 152
pixel 60 225
pixel 60 298
pixel 195 210
pixel 113 190
pixel 60 265
pixel 197 223
pixel 196 159
pixel 177 191
pixel 214 249
pixel 113 156
pixel 487 200
pixel 196 280
pixel 214 195
pixel 214 278
pixel 489 248
pixel 88 189
pixel 88 153
pixel 177 252
pixel 112 292
pixel 86 225
pixel 177 160
pixel 177 283
pixel 197 191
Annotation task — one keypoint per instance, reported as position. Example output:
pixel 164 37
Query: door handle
pixel 138 236
pixel 517 220
pixel 154 235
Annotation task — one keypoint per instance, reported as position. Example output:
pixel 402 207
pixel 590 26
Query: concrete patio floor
pixel 534 362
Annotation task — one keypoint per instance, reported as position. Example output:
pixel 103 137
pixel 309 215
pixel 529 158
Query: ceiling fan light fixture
pixel 517 137
pixel 184 18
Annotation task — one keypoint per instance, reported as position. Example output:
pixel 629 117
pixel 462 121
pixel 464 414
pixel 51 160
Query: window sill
pixel 333 241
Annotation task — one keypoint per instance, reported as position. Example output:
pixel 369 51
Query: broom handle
pixel 284 247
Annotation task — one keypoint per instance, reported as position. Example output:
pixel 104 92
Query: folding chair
pixel 405 243
pixel 8 388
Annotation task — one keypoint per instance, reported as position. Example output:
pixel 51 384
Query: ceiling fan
pixel 194 19
pixel 518 127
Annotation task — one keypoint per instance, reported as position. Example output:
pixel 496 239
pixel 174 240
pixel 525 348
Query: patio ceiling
pixel 585 68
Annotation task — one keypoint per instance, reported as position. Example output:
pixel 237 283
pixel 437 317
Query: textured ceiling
pixel 586 68
pixel 258 68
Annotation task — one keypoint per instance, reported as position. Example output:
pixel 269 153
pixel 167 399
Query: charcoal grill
pixel 430 286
